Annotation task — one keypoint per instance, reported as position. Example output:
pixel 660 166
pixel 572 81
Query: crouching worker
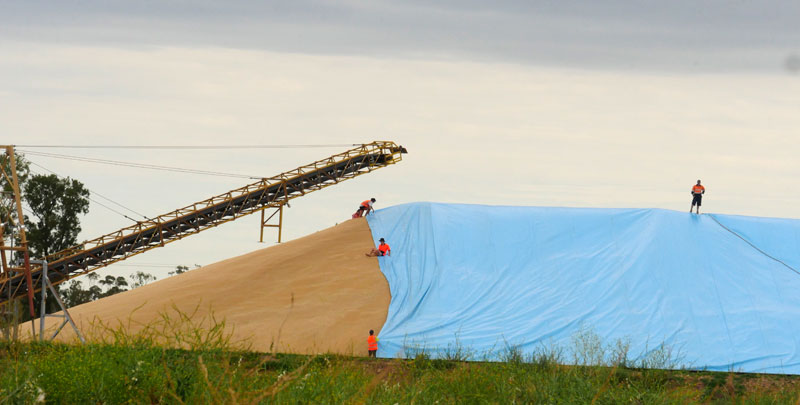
pixel 382 250
pixel 372 344
pixel 365 208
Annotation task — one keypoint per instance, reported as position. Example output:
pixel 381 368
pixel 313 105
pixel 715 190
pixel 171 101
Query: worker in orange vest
pixel 372 344
pixel 364 208
pixel 697 196
pixel 382 250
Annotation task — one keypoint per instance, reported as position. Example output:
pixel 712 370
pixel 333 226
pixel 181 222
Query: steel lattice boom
pixel 270 192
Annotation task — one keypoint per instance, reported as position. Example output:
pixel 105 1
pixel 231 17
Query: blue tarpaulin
pixel 721 292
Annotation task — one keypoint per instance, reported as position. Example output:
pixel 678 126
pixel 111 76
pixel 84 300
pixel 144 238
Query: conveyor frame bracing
pixel 270 192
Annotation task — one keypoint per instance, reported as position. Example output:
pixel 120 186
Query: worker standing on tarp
pixel 365 208
pixel 697 196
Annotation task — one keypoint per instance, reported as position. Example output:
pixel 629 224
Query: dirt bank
pixel 314 294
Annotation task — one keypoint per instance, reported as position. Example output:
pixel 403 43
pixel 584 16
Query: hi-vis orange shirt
pixel 372 343
pixel 698 189
pixel 366 203
pixel 384 248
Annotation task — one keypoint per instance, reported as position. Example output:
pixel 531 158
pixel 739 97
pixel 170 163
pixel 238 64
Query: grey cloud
pixel 673 35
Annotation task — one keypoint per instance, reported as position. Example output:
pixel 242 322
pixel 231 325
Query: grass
pixel 178 362
pixel 109 373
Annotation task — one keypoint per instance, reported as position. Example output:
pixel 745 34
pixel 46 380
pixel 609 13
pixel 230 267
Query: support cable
pixel 24 208
pixel 193 147
pixel 752 245
pixel 118 204
pixel 97 194
pixel 95 201
pixel 111 209
pixel 140 165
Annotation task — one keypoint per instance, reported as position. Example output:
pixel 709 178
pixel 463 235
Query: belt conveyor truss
pixel 269 192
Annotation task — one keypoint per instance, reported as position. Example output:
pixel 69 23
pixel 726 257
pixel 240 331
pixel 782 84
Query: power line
pixel 111 209
pixel 97 194
pixel 139 165
pixel 192 147
pixel 29 211
pixel 97 202
pixel 118 204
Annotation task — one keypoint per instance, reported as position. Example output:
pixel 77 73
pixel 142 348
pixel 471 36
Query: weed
pixel 185 358
pixel 588 348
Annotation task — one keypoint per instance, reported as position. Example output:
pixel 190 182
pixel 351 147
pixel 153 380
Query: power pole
pixel 18 223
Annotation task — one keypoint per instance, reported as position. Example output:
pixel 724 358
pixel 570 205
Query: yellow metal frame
pixel 379 153
pixel 265 222
pixel 8 271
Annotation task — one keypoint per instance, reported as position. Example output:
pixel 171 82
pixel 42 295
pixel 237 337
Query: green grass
pixel 180 362
pixel 109 373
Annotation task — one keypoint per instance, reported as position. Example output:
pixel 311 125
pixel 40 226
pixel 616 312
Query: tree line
pixel 75 293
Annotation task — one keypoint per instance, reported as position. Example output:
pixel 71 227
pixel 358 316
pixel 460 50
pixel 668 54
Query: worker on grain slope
pixel 697 196
pixel 382 250
pixel 372 344
pixel 365 208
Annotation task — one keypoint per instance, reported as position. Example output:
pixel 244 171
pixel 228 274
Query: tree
pixel 7 203
pixel 23 170
pixel 115 285
pixel 141 278
pixel 56 204
pixel 182 269
pixel 179 270
pixel 74 294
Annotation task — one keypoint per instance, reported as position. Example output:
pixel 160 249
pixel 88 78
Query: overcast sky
pixel 585 103
pixel 680 35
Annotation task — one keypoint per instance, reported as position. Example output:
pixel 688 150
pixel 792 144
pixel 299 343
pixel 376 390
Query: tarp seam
pixel 753 246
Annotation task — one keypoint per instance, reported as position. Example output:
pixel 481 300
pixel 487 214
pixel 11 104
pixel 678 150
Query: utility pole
pixel 8 269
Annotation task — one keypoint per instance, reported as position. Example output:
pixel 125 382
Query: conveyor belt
pixel 146 235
